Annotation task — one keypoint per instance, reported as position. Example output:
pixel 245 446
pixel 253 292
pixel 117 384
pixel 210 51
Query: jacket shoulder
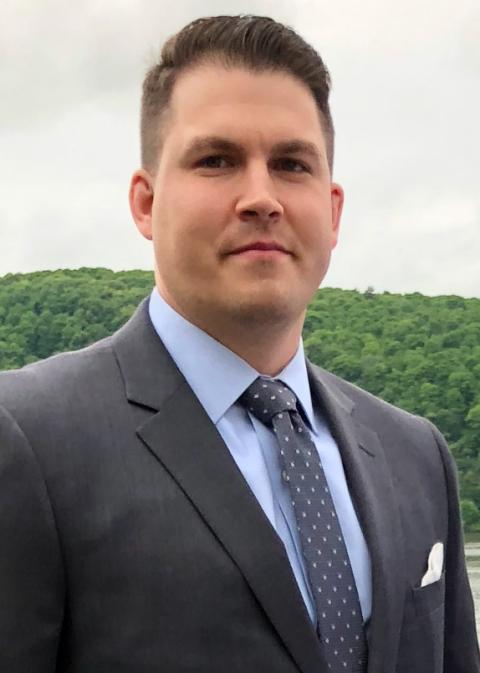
pixel 54 383
pixel 372 410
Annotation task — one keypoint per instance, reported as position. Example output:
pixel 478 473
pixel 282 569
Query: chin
pixel 264 309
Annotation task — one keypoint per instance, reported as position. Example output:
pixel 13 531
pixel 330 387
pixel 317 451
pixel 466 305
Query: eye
pixel 293 165
pixel 213 161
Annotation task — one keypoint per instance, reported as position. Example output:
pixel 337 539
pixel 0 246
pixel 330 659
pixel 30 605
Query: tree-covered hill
pixel 52 311
pixel 420 353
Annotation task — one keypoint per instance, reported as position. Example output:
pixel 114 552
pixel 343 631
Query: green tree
pixel 470 516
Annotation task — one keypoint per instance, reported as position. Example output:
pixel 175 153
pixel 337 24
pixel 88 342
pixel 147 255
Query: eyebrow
pixel 220 144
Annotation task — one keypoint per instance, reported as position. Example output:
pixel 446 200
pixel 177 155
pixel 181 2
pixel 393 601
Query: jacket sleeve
pixel 31 569
pixel 461 654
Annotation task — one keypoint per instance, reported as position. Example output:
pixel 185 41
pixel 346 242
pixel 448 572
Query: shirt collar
pixel 217 375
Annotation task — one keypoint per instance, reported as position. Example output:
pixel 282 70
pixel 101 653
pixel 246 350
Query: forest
pixel 420 353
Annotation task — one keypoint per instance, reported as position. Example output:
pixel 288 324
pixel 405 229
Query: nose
pixel 258 200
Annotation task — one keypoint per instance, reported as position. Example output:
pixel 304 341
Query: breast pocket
pixel 422 635
pixel 429 598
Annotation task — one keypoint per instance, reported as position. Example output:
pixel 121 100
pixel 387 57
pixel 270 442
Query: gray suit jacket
pixel 131 543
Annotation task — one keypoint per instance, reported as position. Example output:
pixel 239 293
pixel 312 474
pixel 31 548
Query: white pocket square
pixel 435 565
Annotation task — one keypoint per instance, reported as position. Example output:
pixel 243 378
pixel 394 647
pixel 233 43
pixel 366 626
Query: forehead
pixel 234 102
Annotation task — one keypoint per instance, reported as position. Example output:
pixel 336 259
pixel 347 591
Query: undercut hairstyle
pixel 255 43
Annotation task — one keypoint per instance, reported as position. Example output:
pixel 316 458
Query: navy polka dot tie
pixel 339 618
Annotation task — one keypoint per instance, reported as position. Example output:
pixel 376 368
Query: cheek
pixel 194 211
pixel 320 215
pixel 316 230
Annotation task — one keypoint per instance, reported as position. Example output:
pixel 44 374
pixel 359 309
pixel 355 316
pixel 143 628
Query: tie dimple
pixel 268 398
pixel 339 618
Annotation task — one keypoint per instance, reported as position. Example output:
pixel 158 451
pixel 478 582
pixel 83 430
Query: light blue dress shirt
pixel 218 377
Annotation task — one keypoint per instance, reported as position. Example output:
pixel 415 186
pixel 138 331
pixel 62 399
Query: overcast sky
pixel 405 101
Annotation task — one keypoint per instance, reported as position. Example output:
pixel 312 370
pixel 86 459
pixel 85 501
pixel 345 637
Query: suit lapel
pixel 189 447
pixel 372 492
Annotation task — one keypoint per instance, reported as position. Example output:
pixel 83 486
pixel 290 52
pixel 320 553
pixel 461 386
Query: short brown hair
pixel 256 43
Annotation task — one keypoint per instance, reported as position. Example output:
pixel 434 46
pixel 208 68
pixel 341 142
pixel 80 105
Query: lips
pixel 259 245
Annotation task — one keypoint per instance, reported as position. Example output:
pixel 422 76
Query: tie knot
pixel 267 397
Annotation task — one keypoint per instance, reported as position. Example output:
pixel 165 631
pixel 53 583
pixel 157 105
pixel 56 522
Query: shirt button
pixel 285 476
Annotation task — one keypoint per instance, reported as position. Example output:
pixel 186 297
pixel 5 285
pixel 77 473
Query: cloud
pixel 405 101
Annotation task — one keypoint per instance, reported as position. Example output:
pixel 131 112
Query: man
pixel 191 494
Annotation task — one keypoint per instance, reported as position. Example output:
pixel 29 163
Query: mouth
pixel 261 249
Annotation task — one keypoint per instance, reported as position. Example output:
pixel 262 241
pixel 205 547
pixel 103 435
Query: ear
pixel 141 201
pixel 337 199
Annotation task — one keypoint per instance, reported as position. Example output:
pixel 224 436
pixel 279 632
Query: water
pixel 472 552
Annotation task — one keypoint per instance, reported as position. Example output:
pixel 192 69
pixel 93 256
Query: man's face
pixel 243 164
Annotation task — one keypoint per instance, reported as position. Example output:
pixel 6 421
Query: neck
pixel 268 349
pixel 267 346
